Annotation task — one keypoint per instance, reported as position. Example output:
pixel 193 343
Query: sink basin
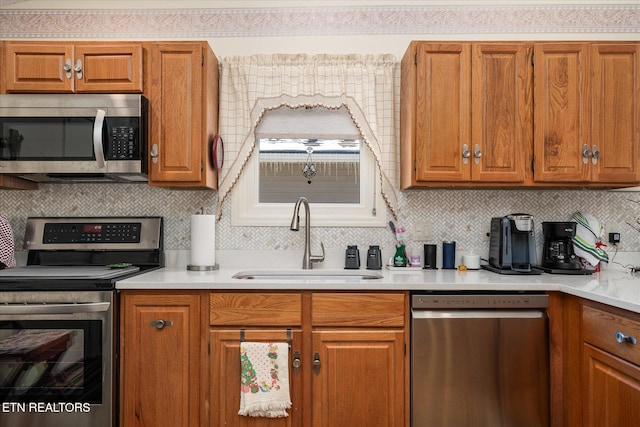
pixel 306 275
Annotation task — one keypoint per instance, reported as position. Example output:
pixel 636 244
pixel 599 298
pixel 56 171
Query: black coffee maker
pixel 557 252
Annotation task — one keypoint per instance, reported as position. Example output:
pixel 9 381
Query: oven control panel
pixel 125 232
pixel 93 233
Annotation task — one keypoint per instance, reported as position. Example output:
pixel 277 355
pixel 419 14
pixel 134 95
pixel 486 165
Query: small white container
pixel 472 262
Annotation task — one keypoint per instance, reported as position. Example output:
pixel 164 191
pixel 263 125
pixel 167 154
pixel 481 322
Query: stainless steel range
pixel 58 318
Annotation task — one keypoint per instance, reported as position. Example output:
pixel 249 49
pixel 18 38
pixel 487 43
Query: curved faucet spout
pixel 307 259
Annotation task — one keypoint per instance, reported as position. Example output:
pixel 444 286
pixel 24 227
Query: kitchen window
pixel 314 152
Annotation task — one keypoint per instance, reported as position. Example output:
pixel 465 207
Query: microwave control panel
pixel 123 144
pixel 123 139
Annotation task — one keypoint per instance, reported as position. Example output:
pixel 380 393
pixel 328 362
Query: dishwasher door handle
pixel 478 314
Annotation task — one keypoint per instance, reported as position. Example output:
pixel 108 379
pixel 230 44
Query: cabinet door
pixel 615 118
pixel 501 111
pixel 176 87
pixel 358 378
pixel 612 390
pixel 113 68
pixel 160 367
pixel 442 120
pixel 225 378
pixel 561 91
pixel 33 67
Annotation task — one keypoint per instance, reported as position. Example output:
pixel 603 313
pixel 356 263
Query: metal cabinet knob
pixel 296 363
pixel 67 68
pixel 465 152
pixel 586 153
pixel 624 338
pixel 160 323
pixel 154 153
pixel 595 154
pixel 78 68
pixel 316 363
pixel 477 153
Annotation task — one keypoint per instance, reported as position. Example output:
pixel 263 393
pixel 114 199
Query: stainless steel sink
pixel 308 275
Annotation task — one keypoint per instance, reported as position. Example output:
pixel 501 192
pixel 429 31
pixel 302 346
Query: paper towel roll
pixel 203 240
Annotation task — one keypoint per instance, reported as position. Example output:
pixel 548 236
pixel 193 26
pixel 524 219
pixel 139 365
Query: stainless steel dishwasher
pixel 479 360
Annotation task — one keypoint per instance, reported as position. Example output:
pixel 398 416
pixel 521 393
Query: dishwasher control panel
pixel 475 301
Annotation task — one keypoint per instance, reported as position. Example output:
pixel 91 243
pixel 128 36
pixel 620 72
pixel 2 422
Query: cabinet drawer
pixel 600 328
pixel 255 309
pixel 358 309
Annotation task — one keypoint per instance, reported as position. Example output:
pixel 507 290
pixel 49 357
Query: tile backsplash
pixel 462 215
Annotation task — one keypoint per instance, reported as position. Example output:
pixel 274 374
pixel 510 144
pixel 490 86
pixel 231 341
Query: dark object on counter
pixel 558 256
pixel 430 252
pixel 374 258
pixel 352 258
pixel 449 255
pixel 512 245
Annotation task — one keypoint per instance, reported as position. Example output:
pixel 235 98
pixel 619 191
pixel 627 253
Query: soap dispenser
pixel 352 258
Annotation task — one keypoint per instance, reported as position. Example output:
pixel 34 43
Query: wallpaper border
pixel 260 22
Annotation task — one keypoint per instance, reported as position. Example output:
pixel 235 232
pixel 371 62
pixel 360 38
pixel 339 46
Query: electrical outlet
pixel 422 231
pixel 486 230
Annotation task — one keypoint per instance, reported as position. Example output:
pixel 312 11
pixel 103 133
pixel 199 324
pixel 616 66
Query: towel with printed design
pixel 7 254
pixel 264 379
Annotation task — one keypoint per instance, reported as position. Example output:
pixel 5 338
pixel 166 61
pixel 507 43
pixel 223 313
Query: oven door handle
pixel 89 307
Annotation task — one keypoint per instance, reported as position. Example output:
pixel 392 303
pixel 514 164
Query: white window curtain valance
pixel 367 85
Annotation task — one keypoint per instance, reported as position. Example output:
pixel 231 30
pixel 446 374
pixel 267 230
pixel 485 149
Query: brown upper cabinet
pixel 183 93
pixel 587 118
pixel 92 67
pixel 520 113
pixel 466 112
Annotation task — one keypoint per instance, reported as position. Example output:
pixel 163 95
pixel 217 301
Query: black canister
pixel 449 255
pixel 352 258
pixel 374 258
pixel 430 252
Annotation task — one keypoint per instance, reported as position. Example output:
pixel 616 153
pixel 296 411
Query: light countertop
pixel 614 286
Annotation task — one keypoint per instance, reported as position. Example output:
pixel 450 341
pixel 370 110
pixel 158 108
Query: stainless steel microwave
pixel 74 137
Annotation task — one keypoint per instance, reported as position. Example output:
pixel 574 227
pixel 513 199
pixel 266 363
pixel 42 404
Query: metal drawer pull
pixel 624 338
pixel 316 363
pixel 160 323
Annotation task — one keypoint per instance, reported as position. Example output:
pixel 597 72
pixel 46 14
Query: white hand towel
pixel 264 379
pixel 588 238
pixel 7 255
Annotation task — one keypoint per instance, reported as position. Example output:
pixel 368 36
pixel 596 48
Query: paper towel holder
pixel 204 266
pixel 213 267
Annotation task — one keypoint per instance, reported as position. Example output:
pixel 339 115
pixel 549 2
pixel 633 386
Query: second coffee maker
pixel 512 245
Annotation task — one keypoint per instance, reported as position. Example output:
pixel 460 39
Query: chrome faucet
pixel 307 259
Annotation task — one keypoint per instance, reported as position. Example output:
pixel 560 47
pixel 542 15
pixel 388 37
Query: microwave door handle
pixel 98 125
pixel 24 309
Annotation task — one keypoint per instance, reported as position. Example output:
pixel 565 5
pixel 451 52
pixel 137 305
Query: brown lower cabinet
pixel 595 378
pixel 162 349
pixel 180 358
pixel 349 349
